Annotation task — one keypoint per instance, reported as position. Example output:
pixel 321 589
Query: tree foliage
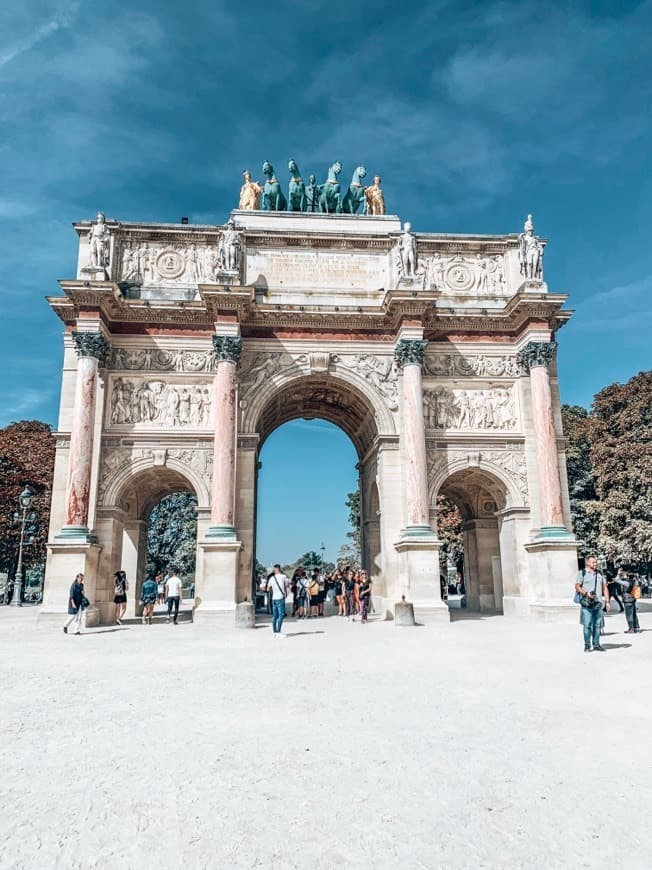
pixel 585 508
pixel 172 535
pixel 449 530
pixel 621 453
pixel 26 458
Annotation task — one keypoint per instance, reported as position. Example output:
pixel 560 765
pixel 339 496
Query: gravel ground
pixel 486 743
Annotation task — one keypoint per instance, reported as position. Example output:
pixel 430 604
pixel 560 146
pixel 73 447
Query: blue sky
pixel 473 113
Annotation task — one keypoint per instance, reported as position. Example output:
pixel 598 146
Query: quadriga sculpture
pixel 297 191
pixel 330 201
pixel 354 197
pixel 273 199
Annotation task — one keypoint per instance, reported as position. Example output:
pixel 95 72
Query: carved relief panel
pixel 476 365
pixel 155 403
pixel 474 409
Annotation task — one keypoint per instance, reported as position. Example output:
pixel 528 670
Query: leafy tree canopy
pixel 172 535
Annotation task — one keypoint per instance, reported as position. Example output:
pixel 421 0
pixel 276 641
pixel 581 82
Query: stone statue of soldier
pixel 530 252
pixel 312 194
pixel 231 247
pixel 407 251
pixel 98 238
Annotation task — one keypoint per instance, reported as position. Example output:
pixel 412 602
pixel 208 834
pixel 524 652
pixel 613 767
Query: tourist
pixel 148 596
pixel 340 596
pixel 301 593
pixel 120 587
pixel 160 588
pixel 173 590
pixel 313 590
pixel 349 592
pixel 322 593
pixel 592 594
pixel 631 593
pixel 613 585
pixel 278 585
pixel 365 595
pixel 77 604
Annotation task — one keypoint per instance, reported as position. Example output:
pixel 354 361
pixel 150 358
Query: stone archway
pixel 481 497
pixel 122 519
pixel 315 396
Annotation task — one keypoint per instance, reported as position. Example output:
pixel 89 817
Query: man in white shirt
pixel 173 595
pixel 278 585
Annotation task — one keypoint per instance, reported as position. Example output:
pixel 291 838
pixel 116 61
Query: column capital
pixel 537 353
pixel 227 348
pixel 410 351
pixel 92 344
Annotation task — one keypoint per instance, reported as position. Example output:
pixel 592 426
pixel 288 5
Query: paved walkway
pixel 484 743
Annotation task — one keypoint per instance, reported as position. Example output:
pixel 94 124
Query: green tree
pixel 26 458
pixel 351 552
pixel 585 507
pixel 172 535
pixel 621 441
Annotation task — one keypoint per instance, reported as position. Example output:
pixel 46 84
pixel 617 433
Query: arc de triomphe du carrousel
pixel 185 346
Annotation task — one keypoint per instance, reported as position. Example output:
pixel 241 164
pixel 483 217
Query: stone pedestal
pixel 245 615
pixel 419 577
pixel 553 567
pixel 215 593
pixel 65 561
pixel 404 613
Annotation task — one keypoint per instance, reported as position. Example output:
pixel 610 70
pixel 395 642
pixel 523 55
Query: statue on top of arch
pixel 327 198
pixel 530 252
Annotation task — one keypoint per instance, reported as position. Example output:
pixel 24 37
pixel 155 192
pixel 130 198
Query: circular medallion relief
pixel 170 263
pixel 459 276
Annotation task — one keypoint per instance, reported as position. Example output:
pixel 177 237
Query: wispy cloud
pixel 62 18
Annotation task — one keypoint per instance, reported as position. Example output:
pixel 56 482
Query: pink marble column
pixel 409 355
pixel 91 348
pixel 537 357
pixel 227 350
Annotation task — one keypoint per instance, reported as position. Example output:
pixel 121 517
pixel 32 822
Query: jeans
pixel 591 620
pixel 173 601
pixel 278 614
pixel 631 615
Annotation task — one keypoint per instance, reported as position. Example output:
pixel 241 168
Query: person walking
pixel 278 585
pixel 364 593
pixel 631 593
pixel 592 594
pixel 301 594
pixel 614 586
pixel 340 597
pixel 77 604
pixel 349 592
pixel 148 596
pixel 160 588
pixel 120 587
pixel 173 595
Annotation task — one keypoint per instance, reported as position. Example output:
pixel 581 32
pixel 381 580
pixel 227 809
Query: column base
pixel 550 610
pixel 224 532
pixel 64 561
pixel 553 571
pixel 419 575
pixel 215 592
pixel 74 535
pixel 410 532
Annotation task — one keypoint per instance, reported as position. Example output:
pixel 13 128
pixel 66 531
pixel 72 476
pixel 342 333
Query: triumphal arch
pixel 185 346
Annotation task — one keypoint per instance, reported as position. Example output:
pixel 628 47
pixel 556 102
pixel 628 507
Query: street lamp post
pixel 25 499
pixel 323 550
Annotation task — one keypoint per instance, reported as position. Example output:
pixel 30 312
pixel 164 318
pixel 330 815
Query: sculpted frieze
pixel 379 371
pixel 446 408
pixel 115 459
pixel 258 368
pixel 155 359
pixel 479 365
pixel 511 460
pixel 155 403
pixel 466 274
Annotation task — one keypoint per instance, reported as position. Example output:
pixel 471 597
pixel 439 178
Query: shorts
pixel 314 600
pixel 301 600
pixel 119 599
pixel 149 600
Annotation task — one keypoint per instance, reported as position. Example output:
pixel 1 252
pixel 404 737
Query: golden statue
pixel 249 193
pixel 374 199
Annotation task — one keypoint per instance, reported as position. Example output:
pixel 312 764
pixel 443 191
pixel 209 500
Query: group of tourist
pixel 349 589
pixel 594 592
pixel 168 589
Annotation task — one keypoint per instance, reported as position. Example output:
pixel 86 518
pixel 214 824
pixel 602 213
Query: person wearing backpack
pixel 631 594
pixel 592 594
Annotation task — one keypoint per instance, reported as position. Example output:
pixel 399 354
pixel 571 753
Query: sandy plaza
pixel 478 743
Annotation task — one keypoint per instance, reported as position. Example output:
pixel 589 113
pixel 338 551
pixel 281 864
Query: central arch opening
pixel 315 482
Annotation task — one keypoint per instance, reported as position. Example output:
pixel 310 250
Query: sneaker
pixel 598 649
pixel 281 635
pixel 118 621
pixel 629 631
pixel 65 629
pixel 587 649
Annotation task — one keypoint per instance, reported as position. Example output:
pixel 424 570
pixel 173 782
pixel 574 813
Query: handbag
pixel 85 603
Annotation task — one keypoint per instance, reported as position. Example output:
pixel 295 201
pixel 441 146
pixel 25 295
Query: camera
pixel 591 601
